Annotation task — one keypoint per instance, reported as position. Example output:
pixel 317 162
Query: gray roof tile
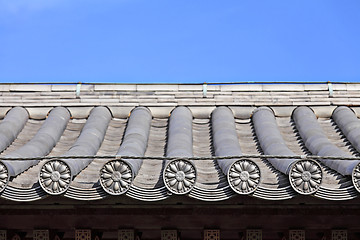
pixel 154 87
pixel 242 87
pixel 29 88
pixel 283 87
pixel 162 99
pixel 353 87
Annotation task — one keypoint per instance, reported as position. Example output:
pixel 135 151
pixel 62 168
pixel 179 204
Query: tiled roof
pixel 178 137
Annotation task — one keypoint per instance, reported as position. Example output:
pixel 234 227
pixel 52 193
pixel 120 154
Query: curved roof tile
pixel 191 131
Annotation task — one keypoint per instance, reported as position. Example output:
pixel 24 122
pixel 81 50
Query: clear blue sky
pixel 179 41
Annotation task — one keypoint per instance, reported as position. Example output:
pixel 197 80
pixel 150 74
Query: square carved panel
pixel 254 234
pixel 297 235
pixel 83 234
pixel 16 237
pixel 3 235
pixel 212 234
pixel 169 234
pixel 41 234
pixel 339 235
pixel 126 234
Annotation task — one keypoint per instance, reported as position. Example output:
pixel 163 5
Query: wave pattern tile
pixel 271 140
pixel 41 144
pixel 317 142
pixel 181 135
pixel 116 176
pixel 89 177
pixel 209 174
pixel 56 175
pixel 305 176
pixel 271 178
pixel 12 125
pixel 150 173
pixel 180 175
pixel 90 139
pixel 136 137
pixel 27 133
pixel 350 126
pixel 29 178
pixel 243 175
pixel 148 184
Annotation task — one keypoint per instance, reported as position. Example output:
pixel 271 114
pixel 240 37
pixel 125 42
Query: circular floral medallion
pixel 4 176
pixel 55 177
pixel 179 176
pixel 116 177
pixel 355 176
pixel 305 176
pixel 244 176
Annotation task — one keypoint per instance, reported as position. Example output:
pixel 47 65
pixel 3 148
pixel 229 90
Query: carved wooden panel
pixel 126 234
pixel 16 237
pixel 297 235
pixel 83 234
pixel 168 234
pixel 339 235
pixel 211 234
pixel 3 235
pixel 253 234
pixel 41 234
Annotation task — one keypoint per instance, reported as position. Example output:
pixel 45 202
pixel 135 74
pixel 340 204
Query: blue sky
pixel 179 41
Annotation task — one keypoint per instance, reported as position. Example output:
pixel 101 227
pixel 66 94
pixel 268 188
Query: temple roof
pixel 206 141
